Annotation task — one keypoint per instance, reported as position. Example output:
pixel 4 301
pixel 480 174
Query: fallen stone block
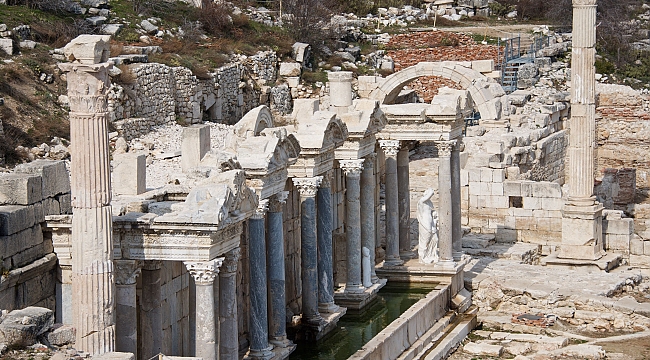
pixel 61 335
pixel 290 69
pixel 22 327
pixel 483 349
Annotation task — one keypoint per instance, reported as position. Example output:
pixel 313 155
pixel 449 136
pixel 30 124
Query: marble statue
pixel 428 228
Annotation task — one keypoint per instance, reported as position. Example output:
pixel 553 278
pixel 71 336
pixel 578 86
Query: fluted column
pixel 228 329
pixel 93 283
pixel 456 229
pixel 126 325
pixel 204 273
pixel 352 169
pixel 391 148
pixel 445 239
pixel 403 195
pixel 275 256
pixel 368 232
pixel 150 309
pixel 325 262
pixel 308 188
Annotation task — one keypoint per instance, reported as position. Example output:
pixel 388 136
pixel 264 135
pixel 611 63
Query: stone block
pixel 619 227
pixel 55 179
pixel 290 69
pixel 464 177
pixel 129 174
pixel 637 246
pixel 546 190
pixel 512 188
pixel 552 203
pixel 617 242
pixel 498 175
pixel 88 49
pixel 496 189
pixel 483 66
pixel 195 144
pixel 22 327
pixel 116 356
pixel 483 349
pixel 486 175
pixel 531 203
pixel 13 244
pixel 20 189
pixel 494 147
pixel 474 175
pixel 7 45
pixel 65 203
pixel 61 335
pixel 14 218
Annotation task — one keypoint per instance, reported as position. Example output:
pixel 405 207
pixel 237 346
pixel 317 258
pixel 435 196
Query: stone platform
pixel 281 353
pixel 359 300
pixel 314 332
pixel 414 271
pixel 607 262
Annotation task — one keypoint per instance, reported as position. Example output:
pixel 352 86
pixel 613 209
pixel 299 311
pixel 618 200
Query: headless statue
pixel 428 228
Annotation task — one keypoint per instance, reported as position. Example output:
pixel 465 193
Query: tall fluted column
pixel 275 256
pixel 445 231
pixel 582 215
pixel 126 325
pixel 456 229
pixel 228 329
pixel 325 262
pixel 404 198
pixel 151 309
pixel 259 323
pixel 391 148
pixel 93 283
pixel 368 232
pixel 352 169
pixel 204 273
pixel 309 253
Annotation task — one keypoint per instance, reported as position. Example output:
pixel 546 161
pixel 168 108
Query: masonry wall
pixel 293 285
pixel 175 292
pixel 33 191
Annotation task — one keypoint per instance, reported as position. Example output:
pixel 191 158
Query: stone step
pixel 478 241
pixel 522 252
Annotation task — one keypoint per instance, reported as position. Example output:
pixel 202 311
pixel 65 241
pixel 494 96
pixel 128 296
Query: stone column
pixel 309 253
pixel 150 309
pixel 259 324
pixel 391 148
pixel 368 232
pixel 403 195
pixel 275 256
pixel 445 224
pixel 204 273
pixel 456 229
pixel 228 327
pixel 340 83
pixel 324 235
pixel 352 169
pixel 93 283
pixel 582 215
pixel 126 324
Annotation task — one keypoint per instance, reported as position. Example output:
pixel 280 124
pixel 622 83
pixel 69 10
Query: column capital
pixel 352 168
pixel 445 147
pixel 231 261
pixel 204 272
pixel 390 147
pixel 277 201
pixel 126 271
pixel 262 208
pixel 370 160
pixel 308 186
pixel 584 2
pixel 327 181
pixel 151 265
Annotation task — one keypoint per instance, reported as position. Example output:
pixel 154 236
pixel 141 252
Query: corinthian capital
pixel 277 201
pixel 126 271
pixel 204 272
pixel 261 210
pixel 390 147
pixel 230 262
pixel 352 168
pixel 445 147
pixel 307 186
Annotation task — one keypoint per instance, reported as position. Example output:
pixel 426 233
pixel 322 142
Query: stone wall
pixel 33 191
pixel 175 293
pixel 293 285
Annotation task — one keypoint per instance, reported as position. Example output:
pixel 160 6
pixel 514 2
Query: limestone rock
pixel 61 335
pixel 483 349
pixel 22 327
pixel 7 45
pixel 290 69
pixel 88 49
pixel 148 27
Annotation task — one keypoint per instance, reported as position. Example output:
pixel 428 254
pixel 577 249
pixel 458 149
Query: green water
pixel 356 328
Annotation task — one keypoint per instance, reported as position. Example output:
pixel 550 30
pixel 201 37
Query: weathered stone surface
pixel 14 218
pixel 290 69
pixel 55 178
pixel 20 189
pixel 88 49
pixel 7 45
pixel 483 349
pixel 61 335
pixel 22 327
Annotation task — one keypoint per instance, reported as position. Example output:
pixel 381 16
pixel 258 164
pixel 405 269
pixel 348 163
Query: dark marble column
pixel 324 235
pixel 403 195
pixel 150 309
pixel 352 169
pixel 391 148
pixel 259 324
pixel 445 239
pixel 368 218
pixel 126 313
pixel 204 273
pixel 308 188
pixel 228 329
pixel 275 257
pixel 456 230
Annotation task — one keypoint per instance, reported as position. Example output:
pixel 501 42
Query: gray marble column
pixel 204 273
pixel 259 324
pixel 368 232
pixel 150 309
pixel 445 244
pixel 352 169
pixel 404 198
pixel 275 257
pixel 325 262
pixel 228 327
pixel 126 312
pixel 391 148
pixel 309 253
pixel 456 230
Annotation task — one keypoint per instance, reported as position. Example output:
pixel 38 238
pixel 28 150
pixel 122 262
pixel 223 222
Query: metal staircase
pixel 513 56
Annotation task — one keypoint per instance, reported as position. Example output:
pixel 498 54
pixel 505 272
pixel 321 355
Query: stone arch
pixel 254 122
pixel 476 83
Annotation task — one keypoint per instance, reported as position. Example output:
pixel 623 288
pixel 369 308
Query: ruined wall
pixel 293 285
pixel 175 293
pixel 33 191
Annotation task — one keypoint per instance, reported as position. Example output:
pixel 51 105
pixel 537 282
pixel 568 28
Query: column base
pixel 358 300
pixel 458 256
pixel 263 354
pixel 444 265
pixel 281 353
pixel 328 308
pixel 351 290
pixel 582 232
pixel 311 331
pixel 280 342
pixel 407 255
pixel 393 262
pixel 375 279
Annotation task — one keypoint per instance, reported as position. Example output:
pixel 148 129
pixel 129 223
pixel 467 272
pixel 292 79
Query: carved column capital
pixel 277 201
pixel 352 168
pixel 204 272
pixel 308 187
pixel 390 147
pixel 126 271
pixel 445 147
pixel 262 208
pixel 231 261
pixel 584 2
pixel 370 161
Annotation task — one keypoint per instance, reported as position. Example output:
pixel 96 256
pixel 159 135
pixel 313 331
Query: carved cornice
pixel 390 147
pixel 231 261
pixel 262 208
pixel 204 272
pixel 277 201
pixel 445 147
pixel 126 271
pixel 352 168
pixel 308 186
